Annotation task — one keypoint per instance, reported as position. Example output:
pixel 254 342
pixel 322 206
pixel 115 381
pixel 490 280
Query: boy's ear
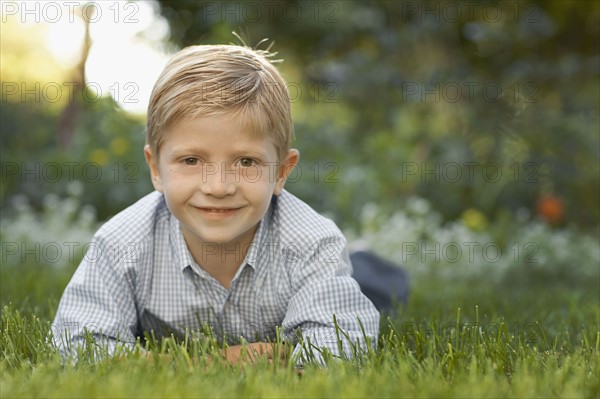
pixel 152 162
pixel 286 167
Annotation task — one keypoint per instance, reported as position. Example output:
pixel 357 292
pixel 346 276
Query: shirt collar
pixel 262 233
pixel 183 257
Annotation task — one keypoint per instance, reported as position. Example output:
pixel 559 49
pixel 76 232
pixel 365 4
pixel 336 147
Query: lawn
pixel 455 338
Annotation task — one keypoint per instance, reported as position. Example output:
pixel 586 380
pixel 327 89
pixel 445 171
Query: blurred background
pixel 424 127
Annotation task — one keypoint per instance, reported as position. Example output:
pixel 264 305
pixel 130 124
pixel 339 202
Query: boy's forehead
pixel 247 132
pixel 249 127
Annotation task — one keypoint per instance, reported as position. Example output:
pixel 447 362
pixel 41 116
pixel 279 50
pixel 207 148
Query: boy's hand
pixel 239 354
pixel 236 354
pixel 157 358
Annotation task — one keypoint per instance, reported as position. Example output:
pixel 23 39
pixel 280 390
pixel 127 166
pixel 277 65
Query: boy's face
pixel 218 179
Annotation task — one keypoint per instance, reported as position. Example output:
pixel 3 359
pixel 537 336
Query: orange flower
pixel 551 208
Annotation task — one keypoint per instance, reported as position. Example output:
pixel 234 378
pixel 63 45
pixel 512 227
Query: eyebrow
pixel 239 152
pixel 178 151
pixel 250 153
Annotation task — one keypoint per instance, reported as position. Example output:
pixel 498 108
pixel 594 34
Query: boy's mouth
pixel 218 210
pixel 217 213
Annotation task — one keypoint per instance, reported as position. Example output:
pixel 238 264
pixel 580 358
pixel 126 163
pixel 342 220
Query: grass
pixel 521 338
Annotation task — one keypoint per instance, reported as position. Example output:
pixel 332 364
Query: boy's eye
pixel 191 161
pixel 246 162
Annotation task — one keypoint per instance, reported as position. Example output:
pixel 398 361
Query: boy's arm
pixel 98 300
pixel 323 287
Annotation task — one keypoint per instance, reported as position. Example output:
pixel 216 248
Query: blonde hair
pixel 218 80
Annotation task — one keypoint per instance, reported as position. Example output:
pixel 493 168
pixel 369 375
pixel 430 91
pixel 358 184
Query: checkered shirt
pixel 138 276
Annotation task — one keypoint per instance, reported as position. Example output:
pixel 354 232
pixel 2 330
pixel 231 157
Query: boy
pixel 220 242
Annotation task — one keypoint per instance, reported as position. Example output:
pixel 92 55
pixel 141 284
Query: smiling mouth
pixel 218 210
pixel 216 214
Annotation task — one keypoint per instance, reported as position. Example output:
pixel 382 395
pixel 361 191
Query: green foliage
pixel 37 232
pixel 105 156
pixel 390 99
pixel 524 252
pixel 411 87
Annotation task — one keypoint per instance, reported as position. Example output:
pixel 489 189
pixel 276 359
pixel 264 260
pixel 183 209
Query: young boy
pixel 220 242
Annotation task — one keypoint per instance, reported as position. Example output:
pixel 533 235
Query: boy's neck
pixel 221 261
pixel 222 265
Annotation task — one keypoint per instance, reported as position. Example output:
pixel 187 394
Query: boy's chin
pixel 218 239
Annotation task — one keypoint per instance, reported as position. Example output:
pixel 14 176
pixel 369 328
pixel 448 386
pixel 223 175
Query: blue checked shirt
pixel 138 276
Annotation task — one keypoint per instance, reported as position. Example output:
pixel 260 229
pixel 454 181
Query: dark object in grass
pixel 383 282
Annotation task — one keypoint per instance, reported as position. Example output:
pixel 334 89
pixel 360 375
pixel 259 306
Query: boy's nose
pixel 218 181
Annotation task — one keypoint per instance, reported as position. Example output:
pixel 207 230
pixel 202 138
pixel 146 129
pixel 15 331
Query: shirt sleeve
pixel 323 288
pixel 98 302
